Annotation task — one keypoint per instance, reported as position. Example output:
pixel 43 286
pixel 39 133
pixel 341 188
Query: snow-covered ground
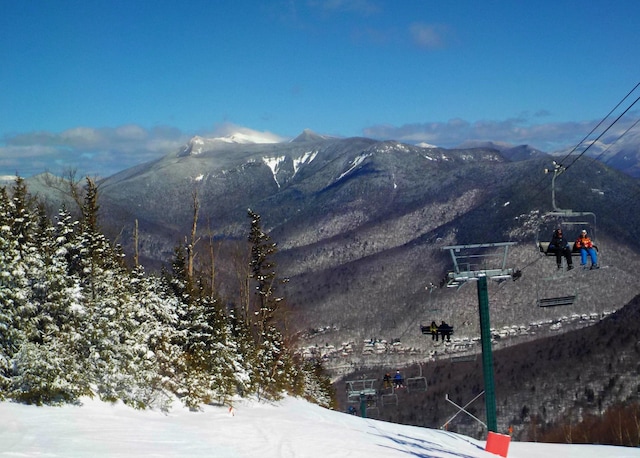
pixel 290 428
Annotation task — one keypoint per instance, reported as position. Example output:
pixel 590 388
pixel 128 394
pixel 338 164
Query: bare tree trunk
pixel 136 254
pixel 212 260
pixel 191 244
pixel 240 259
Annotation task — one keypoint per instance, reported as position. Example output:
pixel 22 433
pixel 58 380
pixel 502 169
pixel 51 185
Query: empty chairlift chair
pixel 364 387
pixel 418 383
pixel 389 398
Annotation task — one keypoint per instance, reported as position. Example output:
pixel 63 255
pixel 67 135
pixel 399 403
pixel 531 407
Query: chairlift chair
pixel 418 383
pixel 391 398
pixel 436 311
pixel 557 290
pixel 556 301
pixel 464 358
pixel 570 221
pixel 357 388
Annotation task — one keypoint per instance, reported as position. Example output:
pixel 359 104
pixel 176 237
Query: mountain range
pixel 360 226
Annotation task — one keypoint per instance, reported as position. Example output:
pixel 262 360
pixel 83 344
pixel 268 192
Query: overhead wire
pixel 633 197
pixel 610 145
pixel 602 121
pixel 568 155
pixel 602 134
pixel 595 159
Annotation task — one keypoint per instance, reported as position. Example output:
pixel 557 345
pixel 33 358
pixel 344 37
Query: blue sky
pixel 100 86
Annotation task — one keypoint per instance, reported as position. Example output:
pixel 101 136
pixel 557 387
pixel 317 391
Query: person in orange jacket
pixel 585 245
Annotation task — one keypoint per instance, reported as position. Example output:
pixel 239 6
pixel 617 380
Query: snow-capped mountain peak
pixel 197 144
pixel 249 137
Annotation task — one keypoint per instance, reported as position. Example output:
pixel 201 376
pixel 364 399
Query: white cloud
pixel 80 136
pixel 103 151
pixel 546 136
pixel 131 132
pixel 90 151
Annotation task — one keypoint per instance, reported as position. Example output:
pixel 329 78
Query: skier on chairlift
pixel 560 246
pixel 398 380
pixel 445 330
pixel 433 329
pixel 586 247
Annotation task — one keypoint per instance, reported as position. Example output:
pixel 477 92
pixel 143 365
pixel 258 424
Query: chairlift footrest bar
pixel 556 301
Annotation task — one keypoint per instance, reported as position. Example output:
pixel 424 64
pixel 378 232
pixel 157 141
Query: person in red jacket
pixel 585 245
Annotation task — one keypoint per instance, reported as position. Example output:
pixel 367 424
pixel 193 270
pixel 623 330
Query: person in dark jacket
pixel 445 330
pixel 560 246
pixel 387 380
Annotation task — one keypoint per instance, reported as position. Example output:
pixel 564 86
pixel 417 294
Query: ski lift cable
pixel 603 132
pixel 601 122
pixel 531 263
pixel 595 159
pixel 615 141
pixel 609 146
pixel 587 136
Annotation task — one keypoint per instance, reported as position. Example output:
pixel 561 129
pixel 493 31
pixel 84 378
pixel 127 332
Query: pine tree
pixel 207 365
pixel 218 347
pixel 275 365
pixel 19 317
pixel 114 353
pixel 157 328
pixel 74 321
pixel 37 300
pixel 315 386
pixel 10 336
pixel 21 214
pixel 246 362
pixel 51 354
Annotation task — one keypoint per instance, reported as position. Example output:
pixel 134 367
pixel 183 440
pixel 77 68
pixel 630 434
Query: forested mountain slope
pixel 360 225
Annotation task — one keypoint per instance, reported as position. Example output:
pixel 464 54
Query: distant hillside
pixel 546 382
pixel 360 225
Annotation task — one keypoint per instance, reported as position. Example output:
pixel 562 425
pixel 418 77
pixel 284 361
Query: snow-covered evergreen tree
pixel 156 315
pixel 11 336
pixel 246 353
pixel 314 385
pixel 74 321
pixel 275 366
pixel 116 352
pixel 37 295
pixel 208 363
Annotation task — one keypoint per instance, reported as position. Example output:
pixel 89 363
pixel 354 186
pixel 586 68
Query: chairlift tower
pixel 477 263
